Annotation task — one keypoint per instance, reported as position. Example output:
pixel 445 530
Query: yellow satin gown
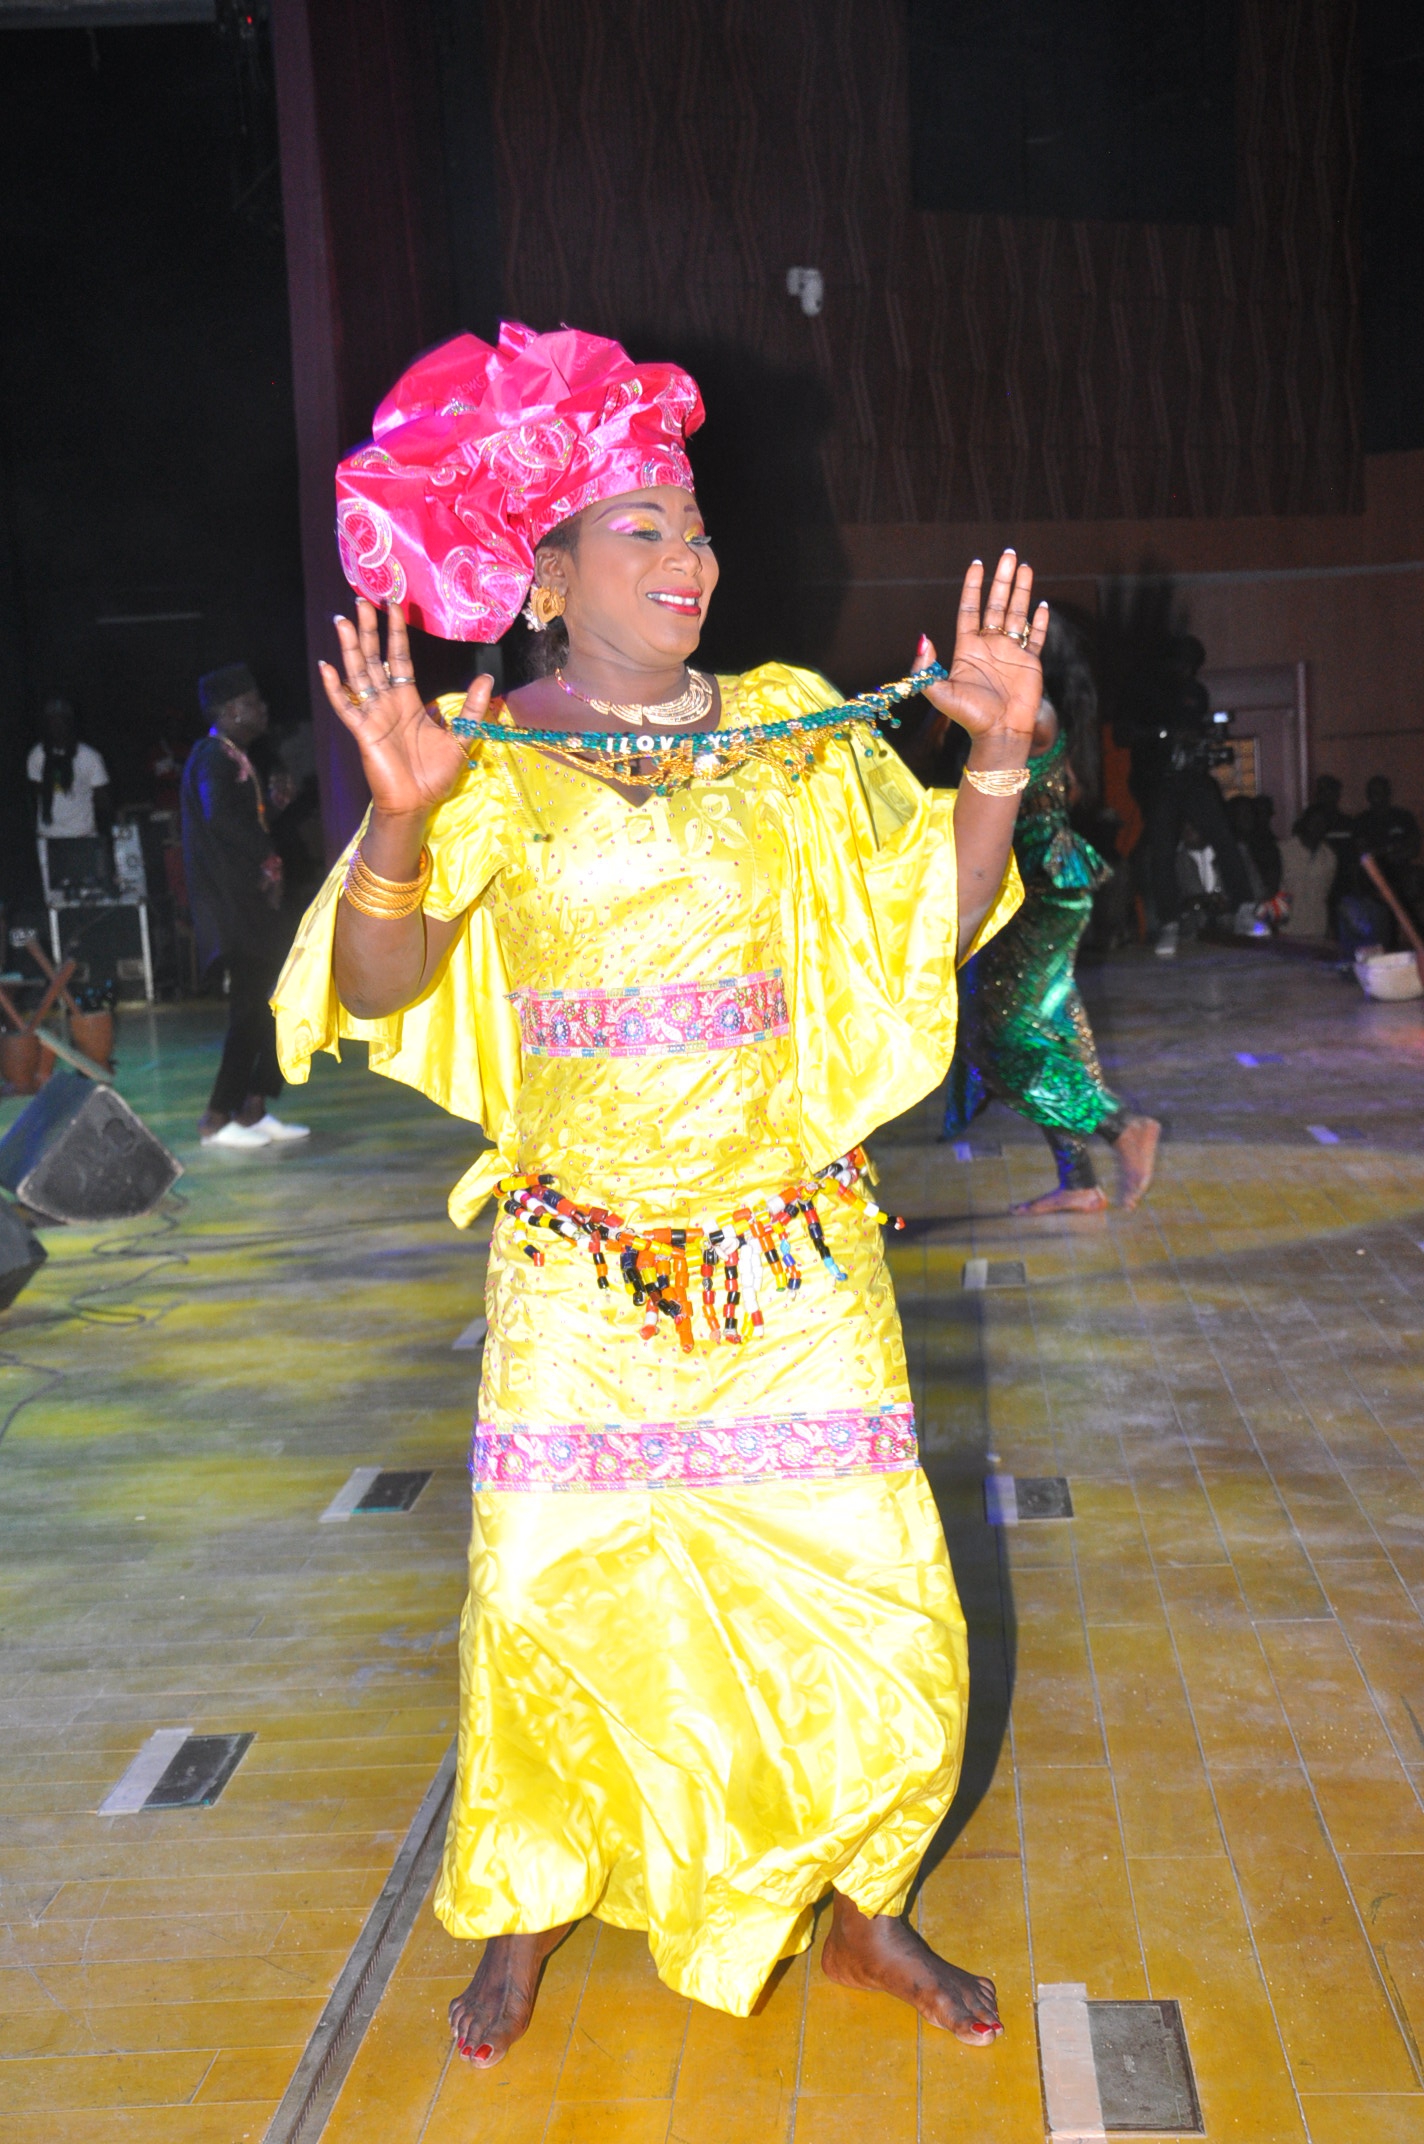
pixel 712 1660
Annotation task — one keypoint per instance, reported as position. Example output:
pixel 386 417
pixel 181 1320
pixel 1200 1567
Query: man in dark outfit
pixel 235 892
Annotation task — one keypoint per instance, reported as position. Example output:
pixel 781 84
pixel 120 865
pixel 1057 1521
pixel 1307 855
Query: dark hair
pixel 548 651
pixel 58 774
pixel 58 771
pixel 1068 683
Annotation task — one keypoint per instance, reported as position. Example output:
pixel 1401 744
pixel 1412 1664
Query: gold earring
pixel 543 607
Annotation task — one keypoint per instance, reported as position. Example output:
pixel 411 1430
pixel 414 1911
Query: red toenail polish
pixel 482 2051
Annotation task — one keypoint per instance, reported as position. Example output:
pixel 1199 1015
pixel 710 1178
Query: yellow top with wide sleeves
pixel 869 935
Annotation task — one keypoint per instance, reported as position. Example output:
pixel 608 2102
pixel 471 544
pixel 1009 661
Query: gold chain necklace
pixel 679 714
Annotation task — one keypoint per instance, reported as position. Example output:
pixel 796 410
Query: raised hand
pixel 995 681
pixel 411 761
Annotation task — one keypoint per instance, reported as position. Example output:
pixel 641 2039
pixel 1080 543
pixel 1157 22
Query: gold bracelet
pixel 388 898
pixel 997 781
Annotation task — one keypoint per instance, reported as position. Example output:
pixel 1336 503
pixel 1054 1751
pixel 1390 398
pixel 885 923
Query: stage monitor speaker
pixel 21 1255
pixel 78 1153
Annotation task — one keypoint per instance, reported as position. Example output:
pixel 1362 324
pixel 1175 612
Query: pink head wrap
pixel 479 452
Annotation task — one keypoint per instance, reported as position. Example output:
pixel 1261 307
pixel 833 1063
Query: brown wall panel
pixel 1343 594
pixel 661 169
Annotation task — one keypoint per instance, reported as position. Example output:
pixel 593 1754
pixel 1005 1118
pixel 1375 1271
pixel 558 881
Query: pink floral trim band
pixel 696 1455
pixel 656 1020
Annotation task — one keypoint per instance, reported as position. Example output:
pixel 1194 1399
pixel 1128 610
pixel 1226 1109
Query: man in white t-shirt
pixel 68 780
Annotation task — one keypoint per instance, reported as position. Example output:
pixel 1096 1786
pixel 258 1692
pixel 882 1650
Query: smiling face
pixel 638 579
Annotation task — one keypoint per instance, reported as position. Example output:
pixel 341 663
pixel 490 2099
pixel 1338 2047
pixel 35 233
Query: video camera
pixel 1198 751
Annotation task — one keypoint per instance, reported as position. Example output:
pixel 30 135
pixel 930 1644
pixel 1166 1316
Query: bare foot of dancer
pixel 1089 1198
pixel 1137 1151
pixel 881 1953
pixel 496 2007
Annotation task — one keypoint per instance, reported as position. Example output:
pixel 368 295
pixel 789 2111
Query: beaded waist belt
pixel 735 1258
pixel 657 1020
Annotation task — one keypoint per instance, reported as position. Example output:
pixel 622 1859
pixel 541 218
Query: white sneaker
pixel 279 1133
pixel 1166 946
pixel 243 1137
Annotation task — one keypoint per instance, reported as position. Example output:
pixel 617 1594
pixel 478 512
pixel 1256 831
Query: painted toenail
pixel 482 2051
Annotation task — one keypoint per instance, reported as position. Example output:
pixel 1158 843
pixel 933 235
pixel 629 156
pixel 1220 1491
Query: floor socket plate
pixel 198 1771
pixel 994 1273
pixel 1113 2068
pixel 1145 2080
pixel 393 1491
pixel 1011 1499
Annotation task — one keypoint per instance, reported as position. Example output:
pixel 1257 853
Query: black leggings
pixel 249 1058
pixel 1070 1152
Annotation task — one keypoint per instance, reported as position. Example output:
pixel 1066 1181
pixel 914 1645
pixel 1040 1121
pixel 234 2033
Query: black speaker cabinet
pixel 21 1255
pixel 78 1153
pixel 106 945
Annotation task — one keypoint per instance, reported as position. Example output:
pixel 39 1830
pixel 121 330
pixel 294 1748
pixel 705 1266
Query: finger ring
pixel 1025 636
pixel 399 680
pixel 358 699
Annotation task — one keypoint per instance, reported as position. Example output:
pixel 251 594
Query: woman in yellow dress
pixel 679 944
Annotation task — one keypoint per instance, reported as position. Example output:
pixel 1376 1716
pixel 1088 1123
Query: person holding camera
pixel 1162 713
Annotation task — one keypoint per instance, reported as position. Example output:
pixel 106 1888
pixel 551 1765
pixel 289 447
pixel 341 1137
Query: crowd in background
pixel 1233 870
pixel 1314 884
pixel 72 802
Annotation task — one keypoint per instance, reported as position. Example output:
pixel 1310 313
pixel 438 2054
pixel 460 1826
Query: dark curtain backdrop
pixel 1392 138
pixel 387 192
pixel 148 529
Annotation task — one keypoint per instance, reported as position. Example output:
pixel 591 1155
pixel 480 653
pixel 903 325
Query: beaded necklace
pixel 713 753
pixel 656 1264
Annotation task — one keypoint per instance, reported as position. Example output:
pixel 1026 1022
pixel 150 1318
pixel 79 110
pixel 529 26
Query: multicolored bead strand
pixel 656 1266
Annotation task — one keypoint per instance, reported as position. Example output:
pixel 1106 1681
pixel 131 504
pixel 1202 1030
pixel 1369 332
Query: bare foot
pixel 495 2009
pixel 1137 1151
pixel 881 1953
pixel 1091 1198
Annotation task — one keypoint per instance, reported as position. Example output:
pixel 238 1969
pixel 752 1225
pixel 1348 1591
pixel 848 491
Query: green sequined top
pixel 1048 850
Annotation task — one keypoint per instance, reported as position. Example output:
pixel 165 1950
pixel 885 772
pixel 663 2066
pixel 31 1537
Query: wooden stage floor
pixel 1197 1734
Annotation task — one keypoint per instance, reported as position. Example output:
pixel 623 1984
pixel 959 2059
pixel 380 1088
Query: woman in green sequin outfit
pixel 1024 1036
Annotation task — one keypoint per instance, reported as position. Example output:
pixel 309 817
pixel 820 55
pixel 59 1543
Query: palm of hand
pixel 410 760
pixel 412 763
pixel 993 683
